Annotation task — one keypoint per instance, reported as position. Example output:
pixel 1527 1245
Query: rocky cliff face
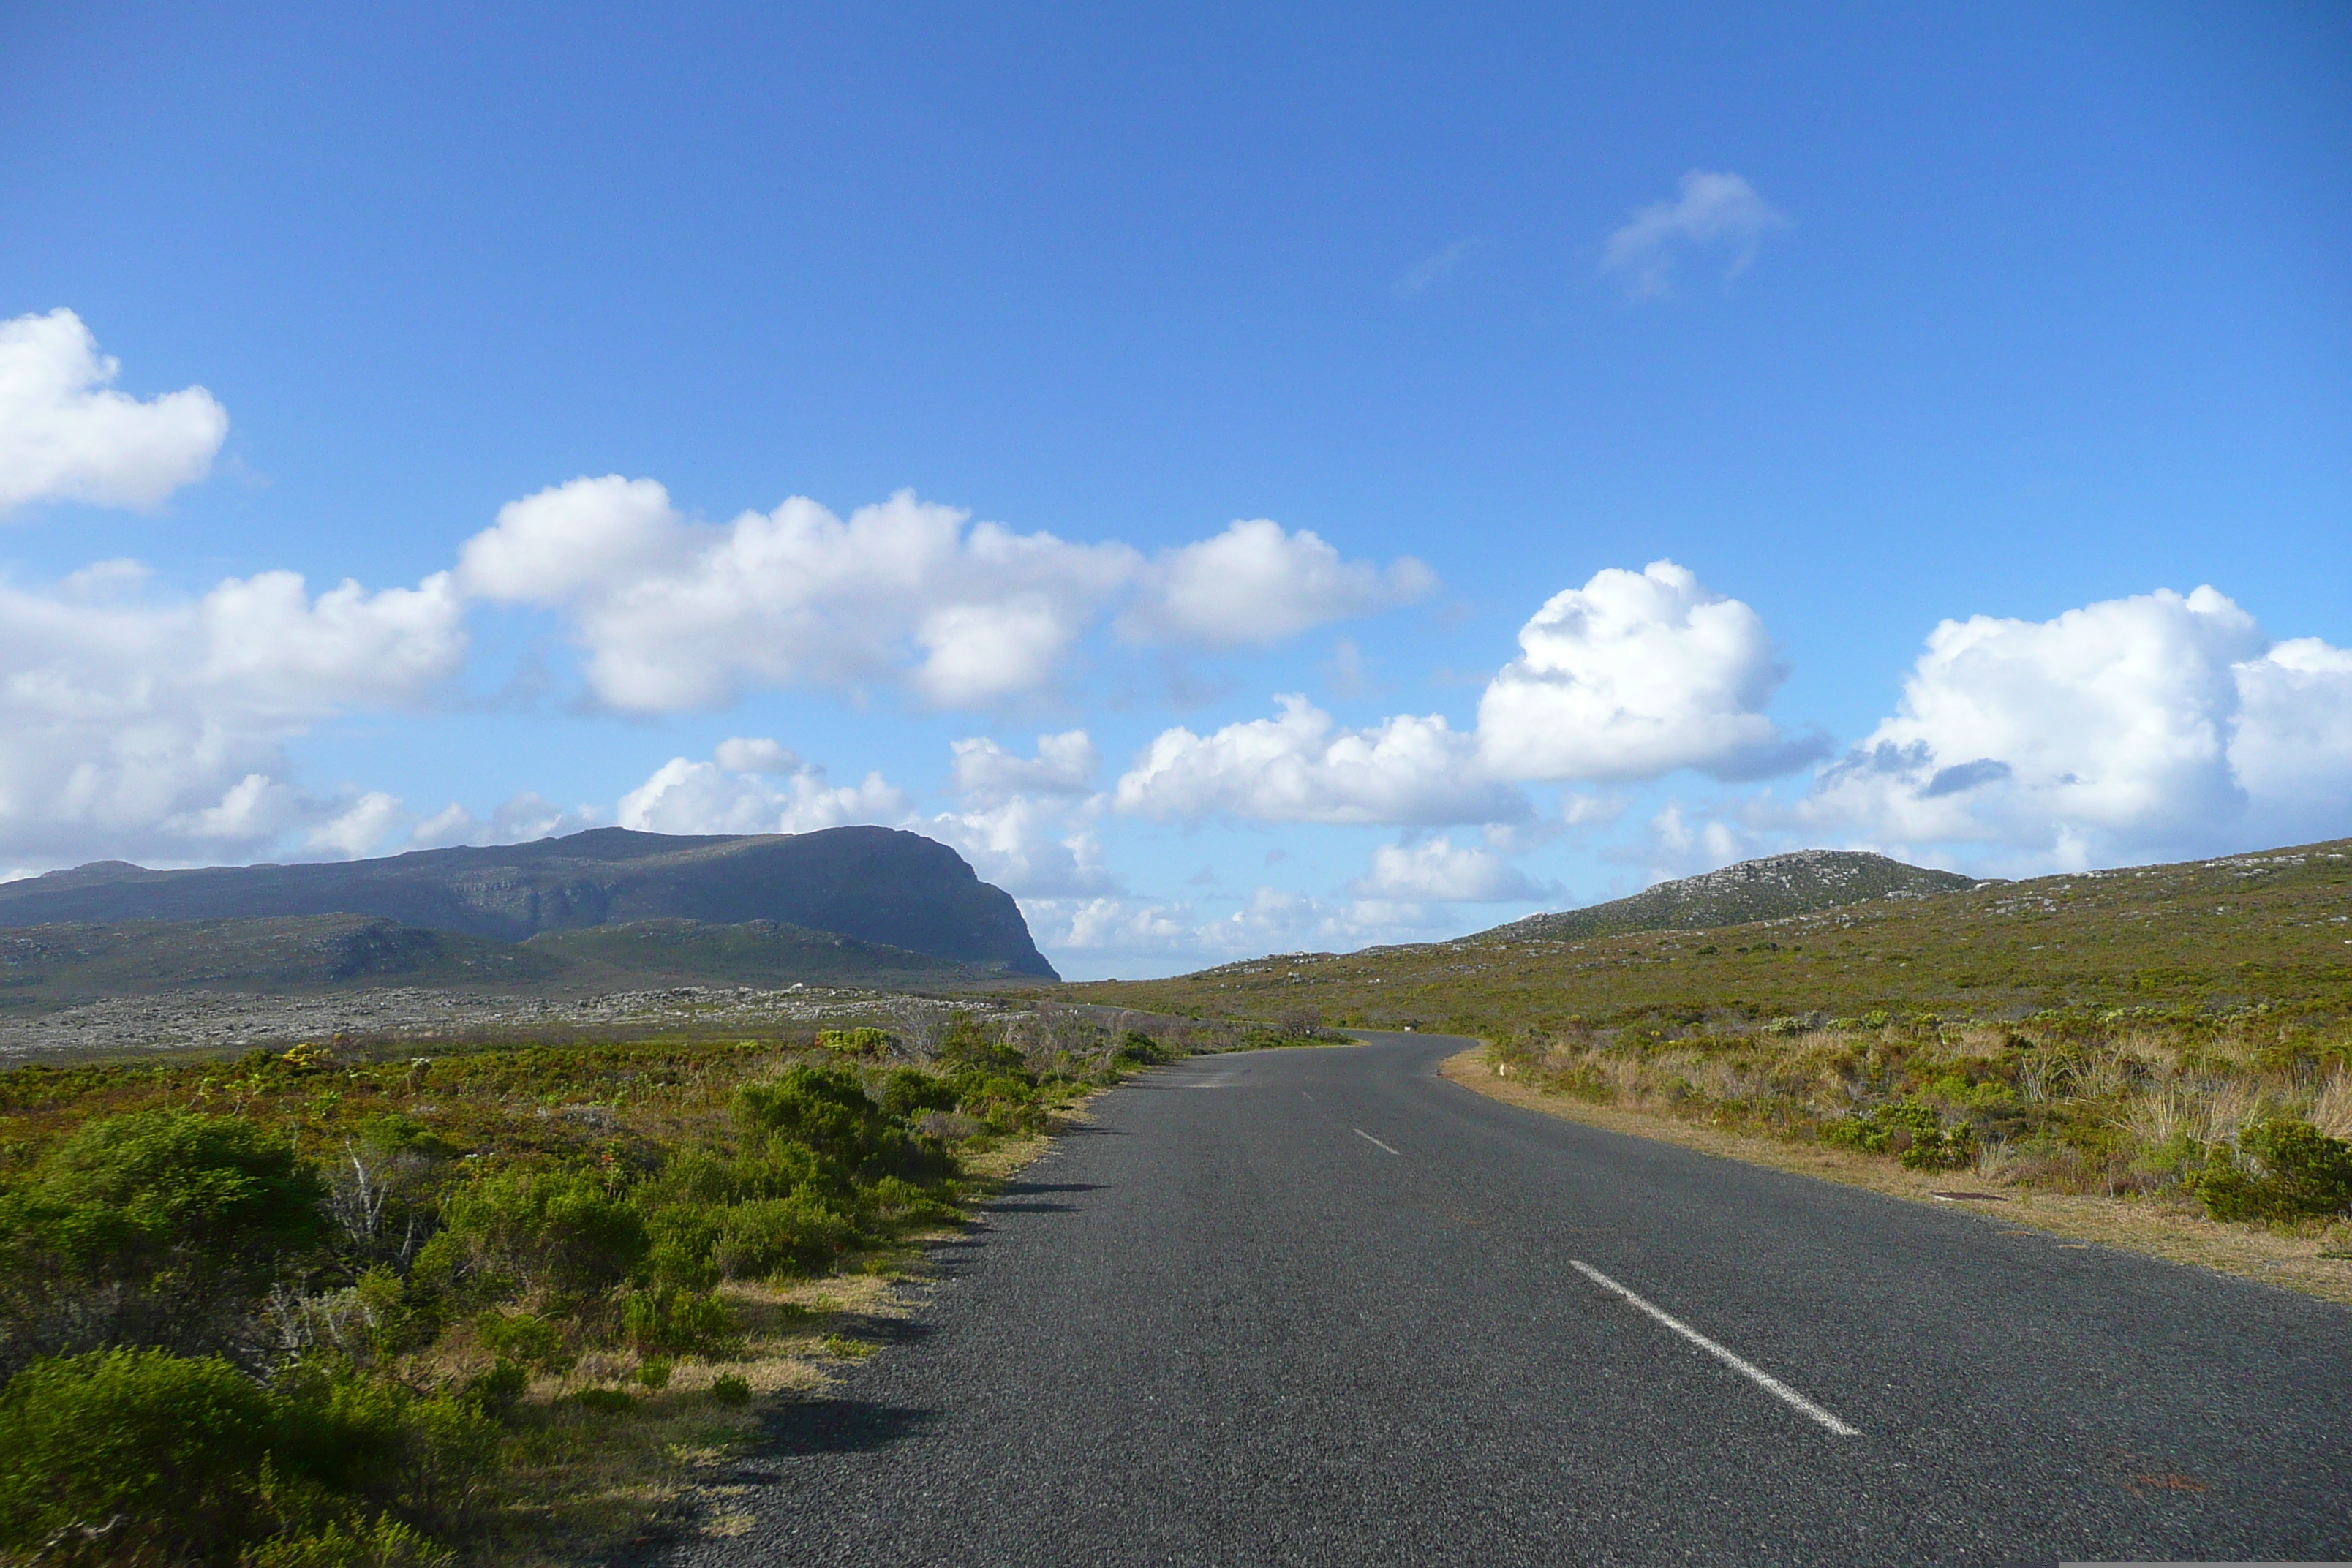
pixel 874 884
pixel 1763 890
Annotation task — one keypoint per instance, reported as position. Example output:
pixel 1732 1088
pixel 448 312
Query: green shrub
pixel 2298 1172
pixel 448 1457
pixel 1139 1049
pixel 666 1318
pixel 525 1338
pixel 400 1316
pixel 965 1043
pixel 856 1042
pixel 167 1447
pixel 797 1235
pixel 1916 1134
pixel 890 1202
pixel 140 1456
pixel 654 1371
pixel 159 1228
pixel 539 1233
pixel 1007 1101
pixel 828 1111
pixel 391 1132
pixel 906 1093
pixel 730 1389
pixel 499 1389
pixel 1861 1132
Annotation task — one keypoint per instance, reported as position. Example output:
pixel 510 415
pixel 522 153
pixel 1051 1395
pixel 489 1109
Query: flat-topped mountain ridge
pixel 1769 888
pixel 46 968
pixel 875 885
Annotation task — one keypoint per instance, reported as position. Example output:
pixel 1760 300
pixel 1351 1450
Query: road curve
pixel 1324 1307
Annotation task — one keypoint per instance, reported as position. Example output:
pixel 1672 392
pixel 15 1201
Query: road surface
pixel 1324 1307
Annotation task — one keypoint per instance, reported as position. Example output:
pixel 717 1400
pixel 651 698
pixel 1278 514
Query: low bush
pixel 828 1111
pixel 2287 1171
pixel 666 1319
pixel 536 1235
pixel 140 1455
pixel 1915 1134
pixel 132 1455
pixel 525 1339
pixel 159 1228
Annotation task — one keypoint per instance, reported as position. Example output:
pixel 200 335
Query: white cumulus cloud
pixel 1711 210
pixel 677 614
pixel 1030 846
pixel 361 827
pixel 2147 725
pixel 1065 764
pixel 1634 676
pixel 1100 932
pixel 522 818
pixel 65 435
pixel 144 728
pixel 1437 870
pixel 1256 584
pixel 589 536
pixel 1027 824
pixel 2291 746
pixel 1303 767
pixel 687 796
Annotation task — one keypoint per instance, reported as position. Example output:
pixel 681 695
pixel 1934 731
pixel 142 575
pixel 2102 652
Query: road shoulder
pixel 2176 1236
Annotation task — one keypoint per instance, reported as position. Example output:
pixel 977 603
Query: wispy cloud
pixel 1714 211
pixel 1433 270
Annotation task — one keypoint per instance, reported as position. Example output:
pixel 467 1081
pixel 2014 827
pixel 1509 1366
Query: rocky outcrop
pixel 1762 890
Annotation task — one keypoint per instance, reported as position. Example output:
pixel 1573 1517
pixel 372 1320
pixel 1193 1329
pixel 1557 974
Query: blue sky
pixel 2032 321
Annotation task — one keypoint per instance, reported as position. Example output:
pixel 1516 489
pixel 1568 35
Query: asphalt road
pixel 1324 1307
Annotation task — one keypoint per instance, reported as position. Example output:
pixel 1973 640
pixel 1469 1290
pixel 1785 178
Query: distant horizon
pixel 1242 958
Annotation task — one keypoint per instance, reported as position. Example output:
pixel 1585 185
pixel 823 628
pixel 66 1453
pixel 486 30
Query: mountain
pixel 875 885
pixel 46 967
pixel 763 953
pixel 1764 889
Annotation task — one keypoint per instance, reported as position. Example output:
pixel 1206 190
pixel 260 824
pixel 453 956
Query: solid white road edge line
pixel 1375 1142
pixel 1756 1374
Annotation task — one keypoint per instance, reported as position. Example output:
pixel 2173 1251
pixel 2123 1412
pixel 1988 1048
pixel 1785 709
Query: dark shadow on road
pixel 887 1331
pixel 1022 1189
pixel 1031 1208
pixel 839 1426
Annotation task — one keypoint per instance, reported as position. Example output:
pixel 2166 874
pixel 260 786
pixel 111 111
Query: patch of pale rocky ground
pixel 211 1022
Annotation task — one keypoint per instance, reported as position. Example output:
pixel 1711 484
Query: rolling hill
pixel 873 885
pixel 2258 934
pixel 1762 890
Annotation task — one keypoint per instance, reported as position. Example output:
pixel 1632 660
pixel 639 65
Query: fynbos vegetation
pixel 2245 1118
pixel 298 1309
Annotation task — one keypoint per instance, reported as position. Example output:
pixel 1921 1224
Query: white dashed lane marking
pixel 1754 1374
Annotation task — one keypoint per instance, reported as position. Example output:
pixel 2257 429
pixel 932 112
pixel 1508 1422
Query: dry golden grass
pixel 2171 1230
